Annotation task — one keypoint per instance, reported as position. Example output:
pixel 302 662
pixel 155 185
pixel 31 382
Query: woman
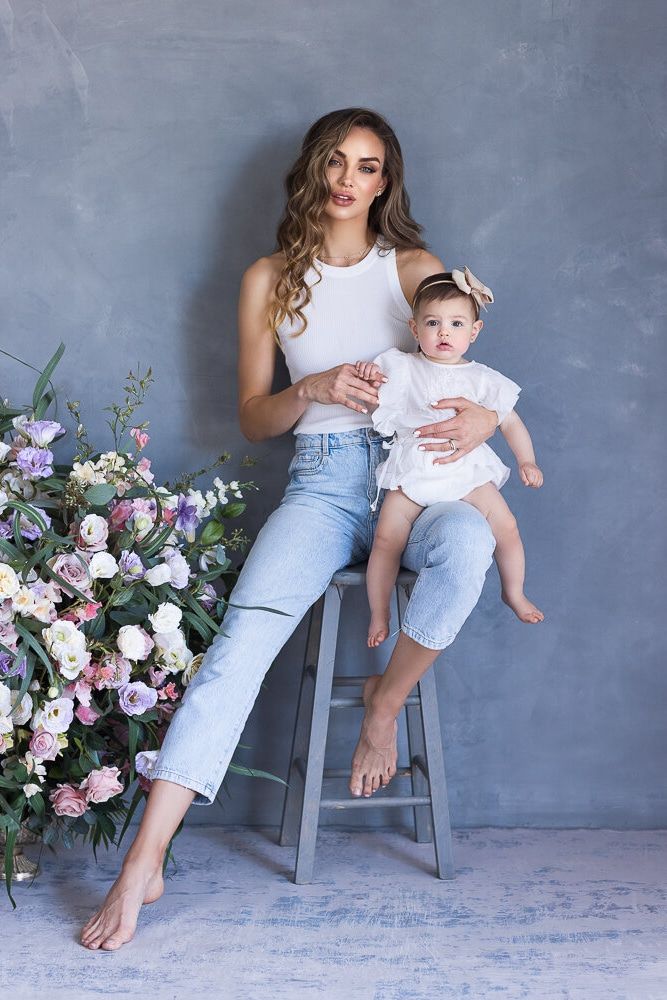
pixel 349 260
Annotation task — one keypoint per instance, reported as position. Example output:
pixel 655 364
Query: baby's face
pixel 445 330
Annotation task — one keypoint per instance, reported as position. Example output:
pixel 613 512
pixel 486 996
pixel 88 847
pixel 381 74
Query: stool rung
pixel 349 680
pixel 411 700
pixel 334 772
pixel 383 800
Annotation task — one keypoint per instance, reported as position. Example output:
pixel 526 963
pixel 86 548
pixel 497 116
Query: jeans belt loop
pixel 325 444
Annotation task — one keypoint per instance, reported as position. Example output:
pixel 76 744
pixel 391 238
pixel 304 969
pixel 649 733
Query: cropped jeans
pixel 324 522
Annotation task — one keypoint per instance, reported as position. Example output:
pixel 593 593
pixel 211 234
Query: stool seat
pixel 318 695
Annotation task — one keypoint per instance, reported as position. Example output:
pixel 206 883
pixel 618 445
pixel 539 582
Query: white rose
pixel 4 451
pixel 166 618
pixel 9 581
pixel 178 567
pixel 23 601
pixel 23 713
pixel 134 643
pixel 145 761
pixel 44 610
pixel 93 531
pixel 171 651
pixel 102 566
pixel 31 789
pixel 158 574
pixel 62 636
pixel 56 716
pixel 5 699
pixel 72 660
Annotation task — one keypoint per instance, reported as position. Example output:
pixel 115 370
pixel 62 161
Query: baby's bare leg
pixel 509 554
pixel 397 515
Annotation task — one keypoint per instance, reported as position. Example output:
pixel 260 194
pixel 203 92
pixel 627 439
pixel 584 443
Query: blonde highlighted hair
pixel 300 234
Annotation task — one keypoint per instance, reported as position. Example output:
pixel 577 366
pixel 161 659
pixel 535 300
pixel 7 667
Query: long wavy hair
pixel 300 232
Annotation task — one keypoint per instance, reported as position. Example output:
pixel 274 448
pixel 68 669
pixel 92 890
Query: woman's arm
pixel 473 423
pixel 265 415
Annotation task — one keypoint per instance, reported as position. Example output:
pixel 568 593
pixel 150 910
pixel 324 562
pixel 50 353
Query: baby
pixel 445 323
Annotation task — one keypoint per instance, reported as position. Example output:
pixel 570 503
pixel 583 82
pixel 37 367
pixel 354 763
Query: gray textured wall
pixel 143 146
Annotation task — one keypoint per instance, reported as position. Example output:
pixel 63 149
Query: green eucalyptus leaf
pixel 100 494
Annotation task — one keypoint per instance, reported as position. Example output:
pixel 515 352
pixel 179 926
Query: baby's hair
pixel 438 288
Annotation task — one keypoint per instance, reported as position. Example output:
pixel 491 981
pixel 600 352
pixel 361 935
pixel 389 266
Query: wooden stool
pixel 426 768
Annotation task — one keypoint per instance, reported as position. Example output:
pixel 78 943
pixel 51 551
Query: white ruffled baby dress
pixel 404 404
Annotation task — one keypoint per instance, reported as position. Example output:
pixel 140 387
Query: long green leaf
pixel 30 639
pixel 134 732
pixel 28 512
pixel 136 799
pixel 199 611
pixel 10 549
pixel 10 841
pixel 29 668
pixel 43 380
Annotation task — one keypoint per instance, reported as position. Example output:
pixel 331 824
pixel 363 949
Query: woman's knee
pixel 460 532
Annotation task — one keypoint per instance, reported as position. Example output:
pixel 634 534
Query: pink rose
pixel 45 745
pixel 68 801
pixel 101 785
pixel 73 571
pixel 86 716
pixel 120 514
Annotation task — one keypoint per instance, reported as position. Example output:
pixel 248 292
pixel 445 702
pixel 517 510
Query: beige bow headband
pixel 467 283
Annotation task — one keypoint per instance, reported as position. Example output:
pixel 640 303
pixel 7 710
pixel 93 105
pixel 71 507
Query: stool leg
pixel 289 828
pixel 422 814
pixel 312 792
pixel 435 765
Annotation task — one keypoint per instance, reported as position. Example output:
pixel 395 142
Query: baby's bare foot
pixel 524 609
pixel 375 756
pixel 115 922
pixel 378 630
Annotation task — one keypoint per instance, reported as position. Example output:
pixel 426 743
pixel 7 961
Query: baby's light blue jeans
pixel 324 522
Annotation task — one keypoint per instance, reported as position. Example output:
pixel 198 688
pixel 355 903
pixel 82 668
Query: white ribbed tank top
pixel 355 313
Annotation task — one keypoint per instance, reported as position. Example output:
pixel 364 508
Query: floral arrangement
pixel 107 605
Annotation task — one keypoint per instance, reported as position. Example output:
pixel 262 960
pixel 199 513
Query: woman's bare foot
pixel 115 922
pixel 375 756
pixel 524 609
pixel 378 630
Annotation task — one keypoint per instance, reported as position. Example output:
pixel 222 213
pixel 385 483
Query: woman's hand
pixel 338 385
pixel 471 425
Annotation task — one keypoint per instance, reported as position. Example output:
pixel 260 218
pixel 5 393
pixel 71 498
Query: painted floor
pixel 541 914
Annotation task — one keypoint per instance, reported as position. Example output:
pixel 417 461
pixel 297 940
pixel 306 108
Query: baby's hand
pixel 370 372
pixel 531 475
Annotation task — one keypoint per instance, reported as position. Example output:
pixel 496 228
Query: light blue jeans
pixel 324 522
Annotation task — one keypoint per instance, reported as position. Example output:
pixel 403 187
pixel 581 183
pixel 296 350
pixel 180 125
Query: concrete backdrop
pixel 143 145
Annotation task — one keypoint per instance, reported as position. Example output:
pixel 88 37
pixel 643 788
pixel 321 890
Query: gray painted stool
pixel 426 769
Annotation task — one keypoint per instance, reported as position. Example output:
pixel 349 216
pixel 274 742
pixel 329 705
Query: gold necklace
pixel 347 256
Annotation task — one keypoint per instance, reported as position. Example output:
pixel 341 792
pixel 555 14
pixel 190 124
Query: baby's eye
pixel 431 322
pixel 457 322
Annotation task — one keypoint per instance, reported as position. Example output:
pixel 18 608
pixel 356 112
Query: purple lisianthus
pixel 131 566
pixel 5 529
pixel 29 529
pixel 42 432
pixel 35 463
pixel 187 519
pixel 9 669
pixel 208 596
pixel 136 698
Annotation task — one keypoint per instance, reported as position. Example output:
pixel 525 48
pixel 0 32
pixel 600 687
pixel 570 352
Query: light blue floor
pixel 541 914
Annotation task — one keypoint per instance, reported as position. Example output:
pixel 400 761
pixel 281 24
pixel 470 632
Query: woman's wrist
pixel 303 389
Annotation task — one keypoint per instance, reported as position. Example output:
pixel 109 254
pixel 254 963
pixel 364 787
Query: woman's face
pixel 354 173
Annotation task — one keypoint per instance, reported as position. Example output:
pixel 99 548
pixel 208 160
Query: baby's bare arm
pixel 516 434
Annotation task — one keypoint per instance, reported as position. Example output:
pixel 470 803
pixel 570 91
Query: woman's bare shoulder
pixel 265 271
pixel 413 266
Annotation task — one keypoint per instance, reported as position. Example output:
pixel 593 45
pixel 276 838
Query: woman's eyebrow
pixel 362 159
